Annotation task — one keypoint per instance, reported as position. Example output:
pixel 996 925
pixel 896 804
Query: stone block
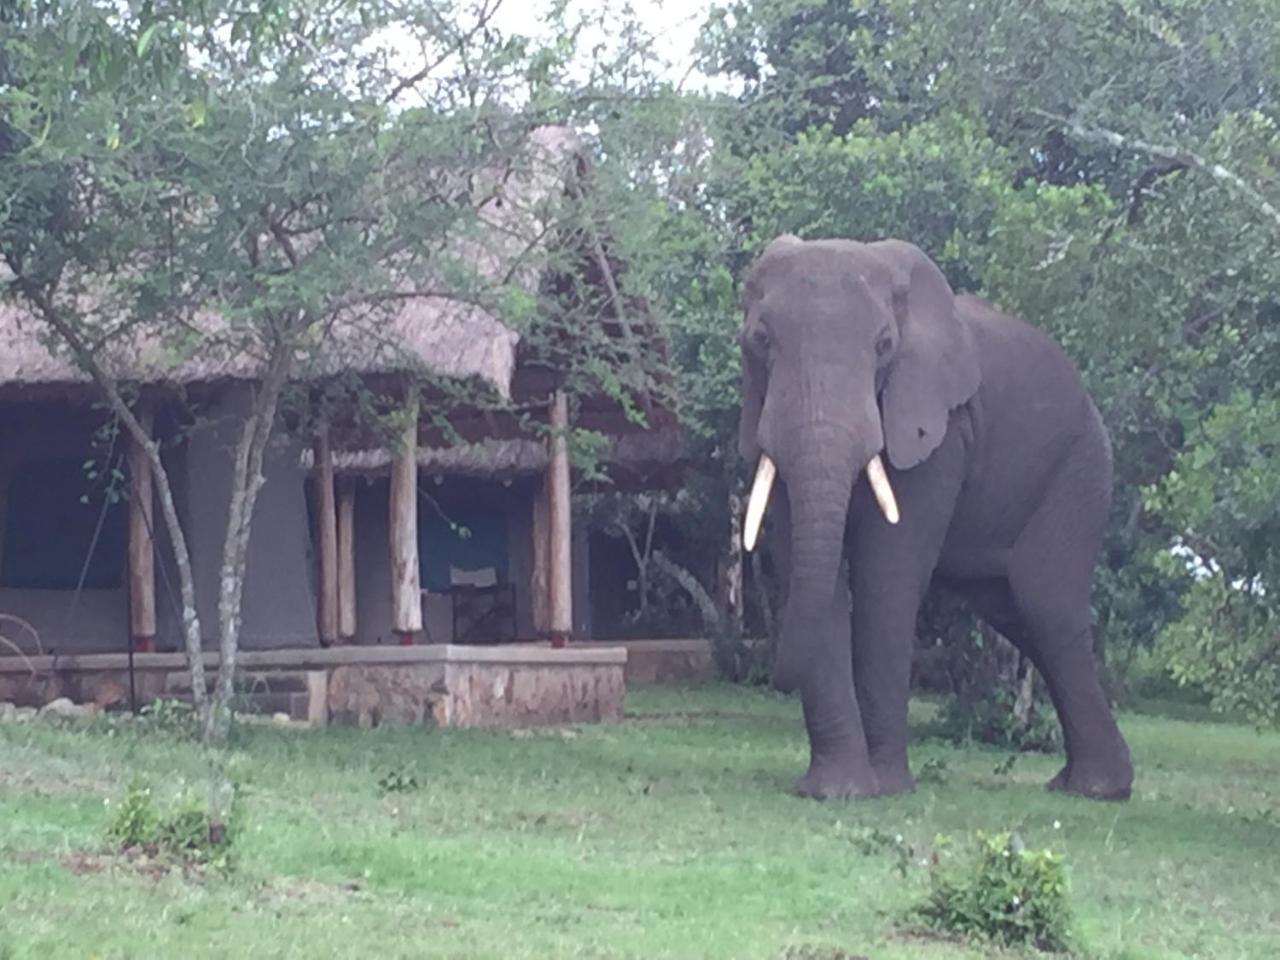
pixel 318 697
pixel 376 695
pixel 520 695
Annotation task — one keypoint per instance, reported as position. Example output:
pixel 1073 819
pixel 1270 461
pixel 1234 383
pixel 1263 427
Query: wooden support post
pixel 327 526
pixel 347 560
pixel 561 523
pixel 142 553
pixel 540 582
pixel 406 591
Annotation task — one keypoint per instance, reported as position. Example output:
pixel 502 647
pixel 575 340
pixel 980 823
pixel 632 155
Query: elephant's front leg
pixel 884 619
pixel 839 764
pixel 889 571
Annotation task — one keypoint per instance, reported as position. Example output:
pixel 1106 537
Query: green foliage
pixel 181 828
pixel 1224 493
pixel 173 717
pixel 1228 644
pixel 1002 892
pixel 135 821
pixel 992 719
pixel 739 659
pixel 980 132
pixel 401 779
pixel 935 770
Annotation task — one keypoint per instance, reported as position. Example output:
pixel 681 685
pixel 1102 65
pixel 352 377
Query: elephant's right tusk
pixel 879 481
pixel 765 474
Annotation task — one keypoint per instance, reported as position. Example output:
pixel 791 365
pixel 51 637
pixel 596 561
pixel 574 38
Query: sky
pixel 674 23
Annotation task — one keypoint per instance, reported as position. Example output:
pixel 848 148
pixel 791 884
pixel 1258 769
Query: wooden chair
pixel 484 609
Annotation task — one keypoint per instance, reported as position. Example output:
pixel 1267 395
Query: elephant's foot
pixel 1095 780
pixel 894 778
pixel 837 781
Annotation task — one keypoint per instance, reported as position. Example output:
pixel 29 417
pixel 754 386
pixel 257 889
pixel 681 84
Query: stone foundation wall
pixel 666 661
pixel 507 686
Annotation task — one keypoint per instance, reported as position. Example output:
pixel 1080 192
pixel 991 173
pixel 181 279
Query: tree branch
pixel 1177 155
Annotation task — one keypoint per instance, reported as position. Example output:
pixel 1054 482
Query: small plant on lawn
pixel 935 770
pixel 1002 892
pixel 181 828
pixel 399 780
pixel 173 717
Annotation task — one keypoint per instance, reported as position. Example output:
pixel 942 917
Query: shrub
pixel 399 780
pixel 172 717
pixel 739 660
pixel 135 823
pixel 993 719
pixel 181 828
pixel 1001 892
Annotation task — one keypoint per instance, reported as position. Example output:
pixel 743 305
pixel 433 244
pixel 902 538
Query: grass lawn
pixel 669 835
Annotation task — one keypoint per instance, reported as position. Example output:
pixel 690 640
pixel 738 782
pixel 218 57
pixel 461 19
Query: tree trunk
pixel 767 618
pixel 1026 697
pixel 642 555
pixel 191 629
pixel 731 575
pixel 247 478
pixel 142 556
pixel 690 585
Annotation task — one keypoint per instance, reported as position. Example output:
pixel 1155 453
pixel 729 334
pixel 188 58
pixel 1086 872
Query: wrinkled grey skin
pixel 1002 471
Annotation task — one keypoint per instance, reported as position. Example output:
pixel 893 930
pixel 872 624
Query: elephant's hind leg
pixel 1051 570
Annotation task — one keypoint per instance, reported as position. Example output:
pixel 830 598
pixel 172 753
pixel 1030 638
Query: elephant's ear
pixel 936 366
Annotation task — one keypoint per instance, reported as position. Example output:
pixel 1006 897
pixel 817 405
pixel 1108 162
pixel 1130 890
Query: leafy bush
pixel 399 780
pixel 182 828
pixel 1228 646
pixel 173 717
pixel 1001 892
pixel 993 719
pixel 135 823
pixel 1223 495
pixel 739 660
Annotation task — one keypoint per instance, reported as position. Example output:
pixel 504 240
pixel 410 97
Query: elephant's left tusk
pixel 879 481
pixel 765 474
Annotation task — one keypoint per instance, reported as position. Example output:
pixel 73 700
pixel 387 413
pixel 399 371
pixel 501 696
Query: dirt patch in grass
pixel 43 782
pixel 807 952
pixel 684 718
pixel 306 890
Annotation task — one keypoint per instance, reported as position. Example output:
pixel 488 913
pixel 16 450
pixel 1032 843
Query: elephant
pixel 917 438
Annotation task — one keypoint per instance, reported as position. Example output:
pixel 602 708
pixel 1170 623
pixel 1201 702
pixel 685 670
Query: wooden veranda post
pixel 142 555
pixel 327 523
pixel 406 594
pixel 561 523
pixel 540 582
pixel 346 560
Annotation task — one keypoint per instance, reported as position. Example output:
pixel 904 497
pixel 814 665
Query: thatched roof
pixel 631 458
pixel 441 336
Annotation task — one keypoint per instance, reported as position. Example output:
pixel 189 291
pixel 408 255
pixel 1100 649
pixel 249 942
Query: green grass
pixel 669 835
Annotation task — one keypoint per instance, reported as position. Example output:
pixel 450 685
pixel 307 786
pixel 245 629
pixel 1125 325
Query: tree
pixel 205 183
pixel 1106 169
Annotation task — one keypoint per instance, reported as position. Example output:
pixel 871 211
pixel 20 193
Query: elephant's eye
pixel 760 339
pixel 884 343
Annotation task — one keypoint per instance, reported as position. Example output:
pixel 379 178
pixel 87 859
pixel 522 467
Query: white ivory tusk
pixel 879 481
pixel 765 474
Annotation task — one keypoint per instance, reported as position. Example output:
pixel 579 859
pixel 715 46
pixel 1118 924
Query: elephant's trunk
pixel 819 482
